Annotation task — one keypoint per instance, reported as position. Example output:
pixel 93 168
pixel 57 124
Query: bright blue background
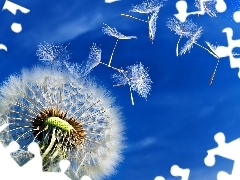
pixel 177 123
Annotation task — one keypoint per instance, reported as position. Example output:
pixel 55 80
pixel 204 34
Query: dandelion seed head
pixel 113 32
pixel 137 77
pixel 52 53
pixel 211 46
pixel 147 6
pixel 74 69
pixel 139 80
pixel 56 55
pixel 69 118
pixel 209 7
pixel 184 29
pixel 94 58
pixel 193 39
pixel 120 78
pixel 152 24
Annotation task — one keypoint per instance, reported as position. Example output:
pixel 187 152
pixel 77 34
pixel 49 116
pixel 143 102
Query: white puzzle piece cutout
pixel 182 7
pixel 227 150
pixel 223 51
pixel 176 171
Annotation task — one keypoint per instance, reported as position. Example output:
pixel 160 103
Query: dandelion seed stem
pixel 83 104
pixel 56 152
pixel 131 96
pixel 126 15
pixel 24 134
pixel 80 166
pixel 109 64
pixel 19 128
pixel 50 145
pixel 177 45
pixel 213 75
pixel 86 110
pixel 207 50
pixel 116 69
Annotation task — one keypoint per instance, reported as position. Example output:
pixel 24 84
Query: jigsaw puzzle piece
pixel 182 6
pixel 159 178
pixel 227 150
pixel 223 51
pixel 221 6
pixel 177 171
pixel 36 162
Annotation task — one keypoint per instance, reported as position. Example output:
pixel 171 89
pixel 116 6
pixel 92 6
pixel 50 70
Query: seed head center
pixel 59 123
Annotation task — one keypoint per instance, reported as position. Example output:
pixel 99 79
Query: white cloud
pixel 74 28
pixel 61 22
pixel 144 143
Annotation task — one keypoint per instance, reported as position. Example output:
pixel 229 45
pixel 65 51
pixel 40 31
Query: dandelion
pixel 113 32
pixel 69 118
pixel 183 29
pixel 138 79
pixel 208 6
pixel 151 8
pixel 52 53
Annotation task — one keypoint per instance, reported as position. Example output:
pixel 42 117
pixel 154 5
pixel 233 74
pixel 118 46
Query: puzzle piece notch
pixel 182 6
pixel 223 51
pixel 227 150
pixel 177 171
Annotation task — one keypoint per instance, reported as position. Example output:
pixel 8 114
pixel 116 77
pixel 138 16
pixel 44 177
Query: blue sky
pixel 177 123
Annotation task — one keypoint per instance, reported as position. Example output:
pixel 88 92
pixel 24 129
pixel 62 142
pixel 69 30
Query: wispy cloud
pixel 140 145
pixel 62 21
pixel 65 30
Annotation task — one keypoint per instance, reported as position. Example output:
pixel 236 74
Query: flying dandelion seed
pixel 183 29
pixel 52 53
pixel 151 8
pixel 69 118
pixel 147 6
pixel 208 6
pixel 152 24
pixel 113 32
pixel 193 40
pixel 138 79
pixel 213 49
pixel 56 55
pixel 94 58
